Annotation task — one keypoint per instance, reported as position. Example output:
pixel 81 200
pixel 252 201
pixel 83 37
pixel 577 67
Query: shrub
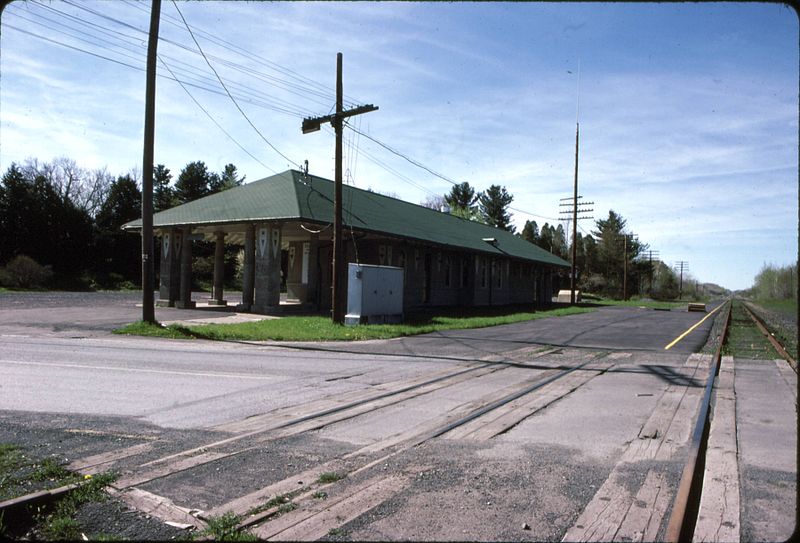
pixel 25 272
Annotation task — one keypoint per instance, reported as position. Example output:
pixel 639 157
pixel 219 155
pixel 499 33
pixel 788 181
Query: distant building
pixel 284 223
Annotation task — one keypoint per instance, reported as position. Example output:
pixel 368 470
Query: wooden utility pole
pixel 683 265
pixel 574 202
pixel 625 266
pixel 574 222
pixel 148 309
pixel 337 121
pixel 625 272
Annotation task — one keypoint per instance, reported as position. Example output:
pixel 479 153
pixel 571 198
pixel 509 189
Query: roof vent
pixel 492 241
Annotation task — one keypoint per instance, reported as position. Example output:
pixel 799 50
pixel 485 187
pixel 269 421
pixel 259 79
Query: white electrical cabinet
pixel 374 294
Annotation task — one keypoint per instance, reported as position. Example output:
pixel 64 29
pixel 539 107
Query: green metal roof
pixel 293 195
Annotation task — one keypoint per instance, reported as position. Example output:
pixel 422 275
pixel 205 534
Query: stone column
pixel 170 269
pixel 185 300
pixel 219 270
pixel 268 269
pixel 248 275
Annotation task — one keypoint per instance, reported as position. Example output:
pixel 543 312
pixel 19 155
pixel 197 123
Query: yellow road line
pixel 687 332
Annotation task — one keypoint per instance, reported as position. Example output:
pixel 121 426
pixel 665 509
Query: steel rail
pixel 507 399
pixel 775 343
pixel 687 498
pixel 433 434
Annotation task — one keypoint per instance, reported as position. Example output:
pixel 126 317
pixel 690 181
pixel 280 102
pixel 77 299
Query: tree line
pixel 610 261
pixel 60 224
pixel 775 283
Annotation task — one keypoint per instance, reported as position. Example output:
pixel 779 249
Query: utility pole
pixel 573 203
pixel 148 309
pixel 625 266
pixel 652 252
pixel 337 121
pixel 684 266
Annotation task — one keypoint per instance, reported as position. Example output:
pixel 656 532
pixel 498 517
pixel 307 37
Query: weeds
pixel 272 502
pixel 225 528
pixel 329 477
pixel 49 469
pixel 286 507
pixel 320 495
pixel 60 524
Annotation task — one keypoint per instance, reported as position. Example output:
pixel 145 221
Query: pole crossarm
pixel 313 124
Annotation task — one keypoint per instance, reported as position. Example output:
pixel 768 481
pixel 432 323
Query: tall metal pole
pixel 148 309
pixel 338 253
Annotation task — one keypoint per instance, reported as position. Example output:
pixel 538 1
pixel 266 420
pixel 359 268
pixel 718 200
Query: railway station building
pixel 284 224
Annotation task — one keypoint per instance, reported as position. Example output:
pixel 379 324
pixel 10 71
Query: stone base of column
pixel 185 305
pixel 165 303
pixel 244 308
pixel 266 309
pixel 219 303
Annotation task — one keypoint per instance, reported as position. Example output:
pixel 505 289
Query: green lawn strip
pixel 322 329
pixel 649 304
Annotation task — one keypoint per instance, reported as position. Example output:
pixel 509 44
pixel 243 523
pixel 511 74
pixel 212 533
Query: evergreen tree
pixel 493 205
pixel 530 232
pixel 227 180
pixel 545 240
pixel 163 194
pixel 193 182
pixel 611 251
pixel 116 251
pixel 560 242
pixel 461 196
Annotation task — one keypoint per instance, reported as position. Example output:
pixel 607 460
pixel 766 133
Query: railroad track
pixel 264 509
pixel 744 335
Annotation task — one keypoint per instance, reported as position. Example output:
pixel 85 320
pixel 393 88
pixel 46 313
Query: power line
pixel 212 118
pixel 227 91
pixel 302 90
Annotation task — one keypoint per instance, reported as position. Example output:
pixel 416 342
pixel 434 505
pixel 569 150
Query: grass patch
pixel 277 501
pixel 224 528
pixel 329 477
pixel 61 524
pixel 650 304
pixel 49 469
pixel 787 307
pixel 141 328
pixel 21 474
pixel 322 329
pixel 320 495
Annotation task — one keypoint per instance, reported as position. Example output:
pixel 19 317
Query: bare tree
pixel 85 189
pixel 434 201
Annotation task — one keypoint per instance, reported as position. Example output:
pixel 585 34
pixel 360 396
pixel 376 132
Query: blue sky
pixel 688 112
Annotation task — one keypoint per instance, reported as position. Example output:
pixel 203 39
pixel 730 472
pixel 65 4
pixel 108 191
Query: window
pixel 483 272
pixel 447 271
